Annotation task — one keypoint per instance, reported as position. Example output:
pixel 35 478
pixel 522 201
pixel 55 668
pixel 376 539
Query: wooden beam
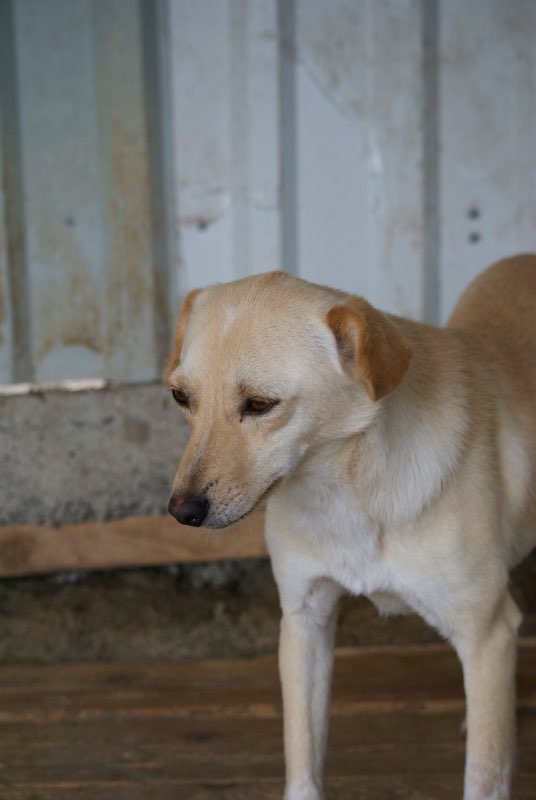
pixel 129 542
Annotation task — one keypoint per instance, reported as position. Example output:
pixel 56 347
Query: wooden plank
pixel 184 750
pixel 355 788
pixel 129 542
pixel 423 678
pixel 177 738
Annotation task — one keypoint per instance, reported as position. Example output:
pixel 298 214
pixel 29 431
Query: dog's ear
pixel 175 356
pixel 370 345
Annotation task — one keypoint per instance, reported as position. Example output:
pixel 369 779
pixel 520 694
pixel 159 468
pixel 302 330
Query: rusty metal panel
pixel 130 328
pixel 80 86
pixel 60 173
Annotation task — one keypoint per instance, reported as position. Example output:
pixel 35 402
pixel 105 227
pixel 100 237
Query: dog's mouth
pixel 258 505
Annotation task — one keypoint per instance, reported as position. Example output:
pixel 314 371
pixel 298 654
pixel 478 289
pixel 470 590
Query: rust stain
pixel 126 209
pixel 74 306
pixel 130 278
pixel 68 310
pixel 106 307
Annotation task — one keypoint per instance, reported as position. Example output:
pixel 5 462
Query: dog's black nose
pixel 190 510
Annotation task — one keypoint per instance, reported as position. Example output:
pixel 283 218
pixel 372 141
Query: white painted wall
pixel 387 148
pixel 487 182
pixel 224 98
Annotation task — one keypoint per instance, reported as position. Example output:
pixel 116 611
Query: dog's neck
pixel 401 461
pixel 398 469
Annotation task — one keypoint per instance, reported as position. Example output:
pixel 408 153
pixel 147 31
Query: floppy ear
pixel 370 345
pixel 175 356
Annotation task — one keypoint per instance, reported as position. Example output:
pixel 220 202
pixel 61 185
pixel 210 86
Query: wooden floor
pixel 212 729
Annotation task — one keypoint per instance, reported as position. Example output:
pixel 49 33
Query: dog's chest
pixel 328 523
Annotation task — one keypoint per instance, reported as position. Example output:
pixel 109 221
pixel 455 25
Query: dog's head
pixel 267 369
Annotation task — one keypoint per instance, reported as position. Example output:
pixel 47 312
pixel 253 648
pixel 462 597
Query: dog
pixel 397 460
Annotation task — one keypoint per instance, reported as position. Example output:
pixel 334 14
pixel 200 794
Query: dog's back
pixel 502 299
pixel 497 316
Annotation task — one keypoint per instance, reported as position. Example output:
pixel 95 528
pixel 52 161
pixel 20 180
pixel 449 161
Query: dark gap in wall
pixel 287 135
pixel 155 33
pixel 17 265
pixel 431 128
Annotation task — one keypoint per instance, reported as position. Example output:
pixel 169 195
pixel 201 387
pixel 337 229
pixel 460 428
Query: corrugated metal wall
pixel 386 147
pixel 84 273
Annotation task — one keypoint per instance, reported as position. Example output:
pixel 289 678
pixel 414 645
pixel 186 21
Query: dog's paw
pixel 303 791
pixel 312 795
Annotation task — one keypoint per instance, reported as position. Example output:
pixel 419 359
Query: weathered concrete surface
pixel 100 454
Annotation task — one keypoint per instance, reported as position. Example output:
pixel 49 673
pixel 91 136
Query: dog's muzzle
pixel 189 509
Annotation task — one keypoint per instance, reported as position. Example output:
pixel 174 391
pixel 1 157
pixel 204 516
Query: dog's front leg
pixel 305 664
pixel 489 661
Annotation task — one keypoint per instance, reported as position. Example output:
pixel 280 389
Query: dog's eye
pixel 180 397
pixel 258 405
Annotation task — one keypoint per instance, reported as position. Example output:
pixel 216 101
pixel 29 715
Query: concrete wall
pixel 70 456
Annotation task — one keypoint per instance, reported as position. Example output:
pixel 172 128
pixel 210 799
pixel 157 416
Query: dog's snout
pixel 189 509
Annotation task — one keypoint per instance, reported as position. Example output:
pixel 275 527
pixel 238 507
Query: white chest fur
pixel 331 533
pixel 372 513
pixel 317 527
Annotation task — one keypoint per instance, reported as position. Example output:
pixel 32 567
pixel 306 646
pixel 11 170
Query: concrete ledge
pixel 76 454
